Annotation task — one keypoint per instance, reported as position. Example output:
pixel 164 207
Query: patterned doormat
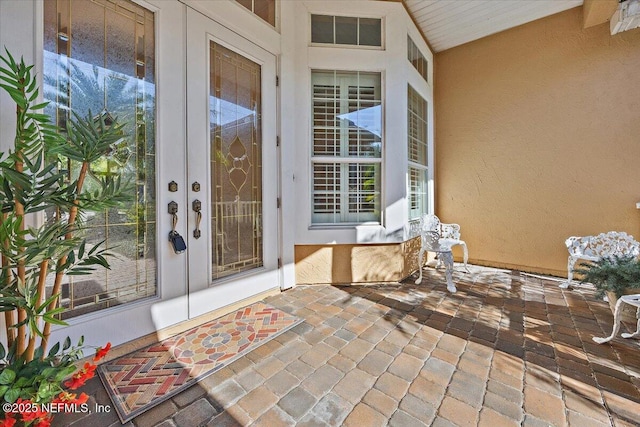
pixel 144 378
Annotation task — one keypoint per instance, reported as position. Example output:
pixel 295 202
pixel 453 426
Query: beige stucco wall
pixel 356 263
pixel 538 139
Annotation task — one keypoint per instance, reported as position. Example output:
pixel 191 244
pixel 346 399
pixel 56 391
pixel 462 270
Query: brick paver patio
pixel 405 355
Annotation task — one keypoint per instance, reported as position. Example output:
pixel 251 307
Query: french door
pixel 231 167
pixel 214 124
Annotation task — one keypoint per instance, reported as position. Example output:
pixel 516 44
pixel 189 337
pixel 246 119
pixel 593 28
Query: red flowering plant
pixel 33 391
pixel 35 260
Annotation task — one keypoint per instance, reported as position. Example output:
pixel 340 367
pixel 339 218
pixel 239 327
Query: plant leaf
pixel 7 376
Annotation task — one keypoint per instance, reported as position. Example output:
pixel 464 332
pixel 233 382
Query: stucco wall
pixel 356 263
pixel 538 139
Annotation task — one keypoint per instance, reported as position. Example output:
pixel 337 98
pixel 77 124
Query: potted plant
pixel 35 259
pixel 613 277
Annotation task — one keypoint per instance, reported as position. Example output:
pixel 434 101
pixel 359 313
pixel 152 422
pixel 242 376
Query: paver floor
pixel 401 354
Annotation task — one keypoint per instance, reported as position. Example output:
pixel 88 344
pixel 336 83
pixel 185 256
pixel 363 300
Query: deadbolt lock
pixel 195 186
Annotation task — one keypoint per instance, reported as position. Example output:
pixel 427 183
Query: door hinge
pixel 277 81
pixel 279 262
pixel 278 141
pixel 278 203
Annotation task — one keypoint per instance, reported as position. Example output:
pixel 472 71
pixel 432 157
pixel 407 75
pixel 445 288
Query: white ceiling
pixel 449 23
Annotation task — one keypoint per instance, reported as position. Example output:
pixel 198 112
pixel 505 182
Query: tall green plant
pixel 31 183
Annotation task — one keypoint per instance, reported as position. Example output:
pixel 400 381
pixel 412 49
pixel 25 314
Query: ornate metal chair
pixel 593 248
pixel 633 300
pixel 449 234
pixel 430 241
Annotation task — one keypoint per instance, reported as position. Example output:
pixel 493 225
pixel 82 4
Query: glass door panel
pixel 99 58
pixel 236 162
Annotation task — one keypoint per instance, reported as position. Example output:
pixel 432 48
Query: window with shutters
pixel 346 150
pixel 417 141
pixel 417 59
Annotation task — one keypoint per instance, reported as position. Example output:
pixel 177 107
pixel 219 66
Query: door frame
pixel 203 295
pixel 170 305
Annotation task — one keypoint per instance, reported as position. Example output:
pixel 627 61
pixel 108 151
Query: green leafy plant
pixel 611 274
pixel 33 390
pixel 39 378
pixel 35 259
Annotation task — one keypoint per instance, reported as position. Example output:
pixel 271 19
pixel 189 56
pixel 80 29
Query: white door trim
pixel 204 297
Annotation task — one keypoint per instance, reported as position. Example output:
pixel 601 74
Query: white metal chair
pixel 633 300
pixel 594 248
pixel 430 241
pixel 449 234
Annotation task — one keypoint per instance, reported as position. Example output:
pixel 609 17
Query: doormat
pixel 145 378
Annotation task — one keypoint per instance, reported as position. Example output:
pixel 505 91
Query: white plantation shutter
pixel 417 141
pixel 346 147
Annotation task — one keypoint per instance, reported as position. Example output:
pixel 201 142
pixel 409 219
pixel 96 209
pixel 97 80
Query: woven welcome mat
pixel 144 378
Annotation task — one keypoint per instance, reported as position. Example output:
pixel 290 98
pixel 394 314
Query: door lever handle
pixel 196 205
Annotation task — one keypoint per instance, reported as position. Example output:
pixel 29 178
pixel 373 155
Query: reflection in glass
pixel 236 162
pixel 99 56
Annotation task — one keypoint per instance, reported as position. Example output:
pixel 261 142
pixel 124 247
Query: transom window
pixel 417 140
pixel 417 59
pixel 346 147
pixel 346 30
pixel 265 9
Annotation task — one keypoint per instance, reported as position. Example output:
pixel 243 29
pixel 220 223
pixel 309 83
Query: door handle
pixel 177 242
pixel 196 205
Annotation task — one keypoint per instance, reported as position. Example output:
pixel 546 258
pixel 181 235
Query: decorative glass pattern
pixel 417 59
pixel 346 30
pixel 265 9
pixel 236 162
pixel 99 56
pixel 417 149
pixel 346 146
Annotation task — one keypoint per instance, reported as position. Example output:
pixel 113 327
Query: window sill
pixel 367 233
pixel 342 226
